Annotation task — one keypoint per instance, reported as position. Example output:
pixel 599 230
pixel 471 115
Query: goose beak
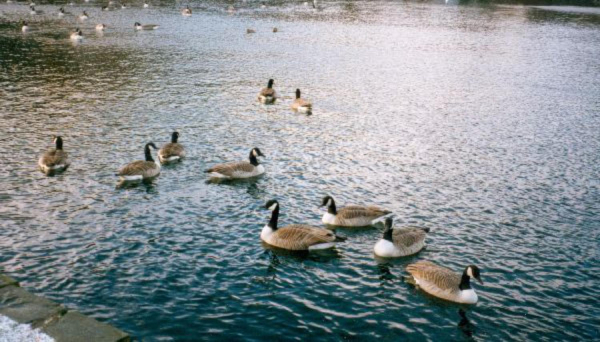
pixel 480 281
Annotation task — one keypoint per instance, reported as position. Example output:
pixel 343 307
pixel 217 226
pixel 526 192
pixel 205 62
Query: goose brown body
pixel 172 151
pixel 444 283
pixel 54 160
pixel 400 242
pixel 267 95
pixel 141 169
pixel 352 215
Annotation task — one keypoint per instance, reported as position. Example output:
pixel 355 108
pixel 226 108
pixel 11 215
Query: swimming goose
pixel 296 237
pixel 443 283
pixel 146 5
pixel 187 11
pixel 83 16
pixel 33 11
pixel 275 30
pixel 352 215
pixel 100 27
pixel 250 31
pixel 400 242
pixel 77 35
pixel 267 95
pixel 301 105
pixel 25 26
pixel 55 160
pixel 172 151
pixel 238 170
pixel 141 170
pixel 139 26
pixel 61 12
pixel 123 6
pixel 105 8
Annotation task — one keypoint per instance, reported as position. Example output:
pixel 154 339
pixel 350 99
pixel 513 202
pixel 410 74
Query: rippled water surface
pixel 481 123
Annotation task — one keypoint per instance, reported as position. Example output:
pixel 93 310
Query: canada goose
pixel 139 26
pixel 33 11
pixel 55 160
pixel 352 215
pixel 275 30
pixel 267 95
pixel 250 31
pixel 146 5
pixel 444 283
pixel 141 170
pixel 123 6
pixel 296 237
pixel 400 242
pixel 61 12
pixel 83 16
pixel 77 35
pixel 105 8
pixel 187 11
pixel 100 27
pixel 230 9
pixel 238 170
pixel 314 3
pixel 301 105
pixel 172 151
pixel 25 26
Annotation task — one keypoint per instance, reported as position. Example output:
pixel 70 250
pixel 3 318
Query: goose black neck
pixel 270 84
pixel 331 209
pixel 465 281
pixel 387 234
pixel 253 159
pixel 59 143
pixel 174 138
pixel 148 153
pixel 274 218
pixel 297 93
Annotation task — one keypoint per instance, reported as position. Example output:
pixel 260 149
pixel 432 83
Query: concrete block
pixel 75 327
pixel 24 307
pixel 7 281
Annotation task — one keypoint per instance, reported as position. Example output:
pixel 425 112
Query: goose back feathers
pixel 54 160
pixel 296 237
pixel 444 283
pixel 352 215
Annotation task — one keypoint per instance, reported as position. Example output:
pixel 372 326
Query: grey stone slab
pixel 7 281
pixel 25 307
pixel 75 327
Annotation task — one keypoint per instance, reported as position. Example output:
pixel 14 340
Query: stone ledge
pixel 7 281
pixel 55 320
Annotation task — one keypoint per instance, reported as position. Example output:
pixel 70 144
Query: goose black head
pixel 297 93
pixel 271 205
pixel 270 84
pixel 57 140
pixel 137 24
pixel 84 13
pixel 24 23
pixel 61 10
pixel 330 203
pixel 387 233
pixel 473 272
pixel 256 152
pixel 32 8
pixel 174 137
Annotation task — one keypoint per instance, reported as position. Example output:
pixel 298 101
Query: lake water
pixel 482 123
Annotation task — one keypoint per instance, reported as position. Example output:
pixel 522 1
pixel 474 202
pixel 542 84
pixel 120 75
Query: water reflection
pixel 465 326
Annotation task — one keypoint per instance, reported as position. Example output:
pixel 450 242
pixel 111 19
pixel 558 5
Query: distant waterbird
pixel 301 105
pixel 100 27
pixel 171 152
pixel 239 170
pixel 250 31
pixel 55 160
pixel 296 237
pixel 444 283
pixel 83 16
pixel 187 11
pixel 139 26
pixel 268 95
pixel 25 26
pixel 77 35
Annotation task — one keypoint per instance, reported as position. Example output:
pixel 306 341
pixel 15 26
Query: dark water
pixel 479 122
